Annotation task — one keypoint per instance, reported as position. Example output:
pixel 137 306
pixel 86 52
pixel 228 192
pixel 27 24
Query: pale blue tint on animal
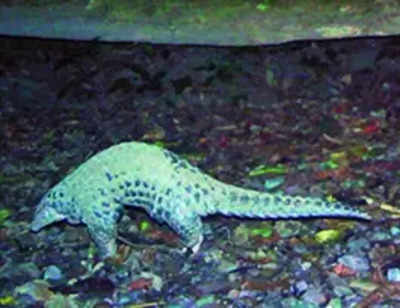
pixel 171 191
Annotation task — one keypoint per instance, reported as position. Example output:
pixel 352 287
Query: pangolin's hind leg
pixel 187 223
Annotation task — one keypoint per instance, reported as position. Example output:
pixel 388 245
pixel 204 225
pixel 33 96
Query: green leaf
pixel 265 232
pixel 4 214
pixel 265 169
pixel 328 236
pixel 144 226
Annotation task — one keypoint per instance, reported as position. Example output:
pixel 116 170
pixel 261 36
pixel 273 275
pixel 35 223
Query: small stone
pixel 359 245
pixel 300 248
pixel 34 291
pixel 52 272
pixel 314 296
pixel 205 301
pixel 395 231
pixel 234 294
pixel 301 286
pixel 227 266
pixel 380 236
pixel 182 302
pixel 393 274
pixel 213 286
pixel 340 285
pixel 342 290
pixel 335 303
pixel 156 281
pixel 288 228
pixel 295 303
pixel 356 263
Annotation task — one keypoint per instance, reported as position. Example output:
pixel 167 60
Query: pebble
pixel 340 285
pixel 357 246
pixel 295 303
pixel 359 264
pixel 395 231
pixel 300 287
pixel 53 273
pixel 205 301
pixel 393 274
pixel 380 235
pixel 314 296
pixel 334 303
pixel 288 229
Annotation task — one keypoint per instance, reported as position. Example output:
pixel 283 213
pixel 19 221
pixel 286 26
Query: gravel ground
pixel 315 118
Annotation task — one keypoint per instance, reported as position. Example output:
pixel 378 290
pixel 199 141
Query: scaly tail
pixel 235 201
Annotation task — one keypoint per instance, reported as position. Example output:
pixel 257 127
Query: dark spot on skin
pixel 266 200
pixel 182 165
pixel 297 202
pixel 212 188
pixel 179 183
pixel 205 191
pixel 61 194
pixel 137 183
pixel 197 186
pixel 73 217
pixel 121 186
pixel 126 194
pixel 233 197
pixel 318 203
pixel 278 199
pixel 133 194
pixel 188 189
pixel 106 213
pixel 338 206
pixel 57 205
pixel 102 192
pixel 244 199
pixel 160 199
pixel 174 158
pixel 145 185
pixel 112 190
pixel 141 194
pixel 116 200
pixel 105 204
pixel 256 199
pixel 193 170
pixel 167 215
pixel 97 214
pixel 153 187
pixel 287 201
pixel 197 197
pixel 224 192
pixel 109 176
pixel 168 191
pixel 128 184
pixel 150 205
